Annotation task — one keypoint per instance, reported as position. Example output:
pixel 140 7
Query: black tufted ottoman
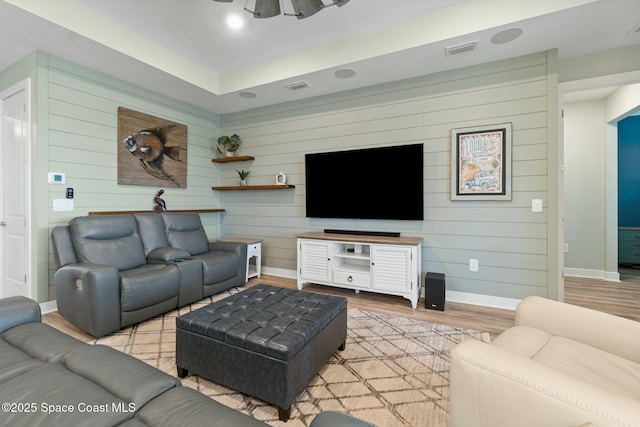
pixel 267 342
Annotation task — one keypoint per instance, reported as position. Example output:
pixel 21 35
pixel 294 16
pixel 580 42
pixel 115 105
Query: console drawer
pixel 352 279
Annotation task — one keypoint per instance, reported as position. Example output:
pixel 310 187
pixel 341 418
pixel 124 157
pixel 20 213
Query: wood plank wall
pixel 509 240
pixel 81 139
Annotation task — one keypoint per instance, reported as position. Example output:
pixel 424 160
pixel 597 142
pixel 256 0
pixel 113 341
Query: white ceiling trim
pixel 442 24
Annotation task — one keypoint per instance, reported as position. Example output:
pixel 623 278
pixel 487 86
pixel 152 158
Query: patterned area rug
pixel 394 371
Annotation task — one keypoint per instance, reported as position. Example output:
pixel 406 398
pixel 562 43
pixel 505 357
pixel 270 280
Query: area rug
pixel 393 371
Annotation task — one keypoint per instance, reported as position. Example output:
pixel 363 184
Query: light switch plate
pixel 536 205
pixel 62 205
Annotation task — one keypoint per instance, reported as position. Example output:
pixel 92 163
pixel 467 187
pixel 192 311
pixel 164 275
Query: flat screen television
pixel 371 183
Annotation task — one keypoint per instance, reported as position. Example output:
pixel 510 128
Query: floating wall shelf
pixel 254 187
pixel 232 159
pixel 172 210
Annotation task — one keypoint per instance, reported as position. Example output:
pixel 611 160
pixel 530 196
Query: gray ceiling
pixel 184 49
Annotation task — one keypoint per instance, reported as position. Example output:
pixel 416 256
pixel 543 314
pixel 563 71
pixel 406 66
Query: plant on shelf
pixel 228 145
pixel 243 176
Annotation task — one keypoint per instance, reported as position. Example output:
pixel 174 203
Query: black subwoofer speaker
pixel 434 291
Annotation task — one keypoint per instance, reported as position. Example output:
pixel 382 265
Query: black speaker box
pixel 434 291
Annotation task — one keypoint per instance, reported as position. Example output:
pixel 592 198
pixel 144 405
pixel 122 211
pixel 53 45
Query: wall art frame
pixel 151 151
pixel 481 162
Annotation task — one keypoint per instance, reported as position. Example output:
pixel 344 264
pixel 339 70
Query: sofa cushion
pixel 126 377
pixel 110 240
pixel 605 370
pixel 41 341
pixel 29 345
pixel 15 362
pixel 147 285
pixel 185 231
pixel 184 406
pixel 594 366
pixel 151 229
pixel 58 397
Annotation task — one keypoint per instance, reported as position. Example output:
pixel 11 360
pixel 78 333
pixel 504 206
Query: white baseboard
pixel 453 296
pixel 610 276
pixel 280 272
pixel 483 300
pixel 48 307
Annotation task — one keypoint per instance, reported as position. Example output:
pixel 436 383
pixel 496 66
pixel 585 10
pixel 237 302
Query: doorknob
pixel 3 224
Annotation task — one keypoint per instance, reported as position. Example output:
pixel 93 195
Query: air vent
pixel 461 48
pixel 297 85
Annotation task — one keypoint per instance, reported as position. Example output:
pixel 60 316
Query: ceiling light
pixel 345 73
pixel 506 36
pixel 235 22
pixel 302 8
pixel 247 94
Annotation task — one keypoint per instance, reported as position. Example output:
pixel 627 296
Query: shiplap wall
pixel 510 242
pixel 81 136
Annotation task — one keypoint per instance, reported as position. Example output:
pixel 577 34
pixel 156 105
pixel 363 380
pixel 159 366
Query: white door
pixel 14 182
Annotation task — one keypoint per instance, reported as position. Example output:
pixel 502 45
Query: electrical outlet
pixel 473 264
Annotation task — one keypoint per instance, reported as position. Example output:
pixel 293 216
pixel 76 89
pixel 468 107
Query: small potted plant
pixel 243 176
pixel 228 145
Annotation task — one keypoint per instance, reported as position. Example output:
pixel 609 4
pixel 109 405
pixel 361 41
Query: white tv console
pixel 386 265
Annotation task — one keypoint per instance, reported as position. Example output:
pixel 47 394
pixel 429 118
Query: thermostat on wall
pixel 56 178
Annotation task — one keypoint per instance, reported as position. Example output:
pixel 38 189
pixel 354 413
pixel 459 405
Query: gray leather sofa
pixel 48 378
pixel 117 270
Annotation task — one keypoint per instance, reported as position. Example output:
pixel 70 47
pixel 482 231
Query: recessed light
pixel 506 36
pixel 247 94
pixel 345 73
pixel 235 22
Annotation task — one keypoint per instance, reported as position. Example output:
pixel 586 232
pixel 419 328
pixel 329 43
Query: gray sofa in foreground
pixel 114 271
pixel 48 378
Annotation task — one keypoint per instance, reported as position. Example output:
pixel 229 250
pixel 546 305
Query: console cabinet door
pixel 315 260
pixel 391 268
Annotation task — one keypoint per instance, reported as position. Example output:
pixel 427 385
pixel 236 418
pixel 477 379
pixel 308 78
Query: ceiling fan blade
pixel 267 8
pixel 306 8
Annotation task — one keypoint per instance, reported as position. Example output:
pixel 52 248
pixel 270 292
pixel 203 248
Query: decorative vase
pixel 230 154
pixel 281 179
pixel 243 182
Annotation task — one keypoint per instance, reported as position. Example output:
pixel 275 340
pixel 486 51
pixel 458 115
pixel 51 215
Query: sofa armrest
pixel 88 296
pixel 167 254
pixel 228 246
pixel 490 386
pixel 607 332
pixel 15 311
pixel 240 250
pixel 337 419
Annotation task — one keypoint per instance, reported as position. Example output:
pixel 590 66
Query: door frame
pixel 23 86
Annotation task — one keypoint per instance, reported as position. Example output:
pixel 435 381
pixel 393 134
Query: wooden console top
pixel 361 238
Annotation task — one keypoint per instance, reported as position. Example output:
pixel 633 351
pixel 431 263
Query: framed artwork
pixel 151 151
pixel 481 163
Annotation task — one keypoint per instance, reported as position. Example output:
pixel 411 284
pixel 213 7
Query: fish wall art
pixel 151 151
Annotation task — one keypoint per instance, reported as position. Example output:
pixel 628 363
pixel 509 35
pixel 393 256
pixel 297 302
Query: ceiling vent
pixel 297 85
pixel 461 48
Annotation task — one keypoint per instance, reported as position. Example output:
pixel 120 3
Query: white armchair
pixel 560 366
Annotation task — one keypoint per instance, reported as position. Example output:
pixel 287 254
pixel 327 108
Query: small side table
pixel 254 253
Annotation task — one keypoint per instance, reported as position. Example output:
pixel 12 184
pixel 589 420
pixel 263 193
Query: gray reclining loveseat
pixel 117 270
pixel 48 378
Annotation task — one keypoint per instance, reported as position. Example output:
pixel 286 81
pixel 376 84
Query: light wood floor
pixel 619 298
